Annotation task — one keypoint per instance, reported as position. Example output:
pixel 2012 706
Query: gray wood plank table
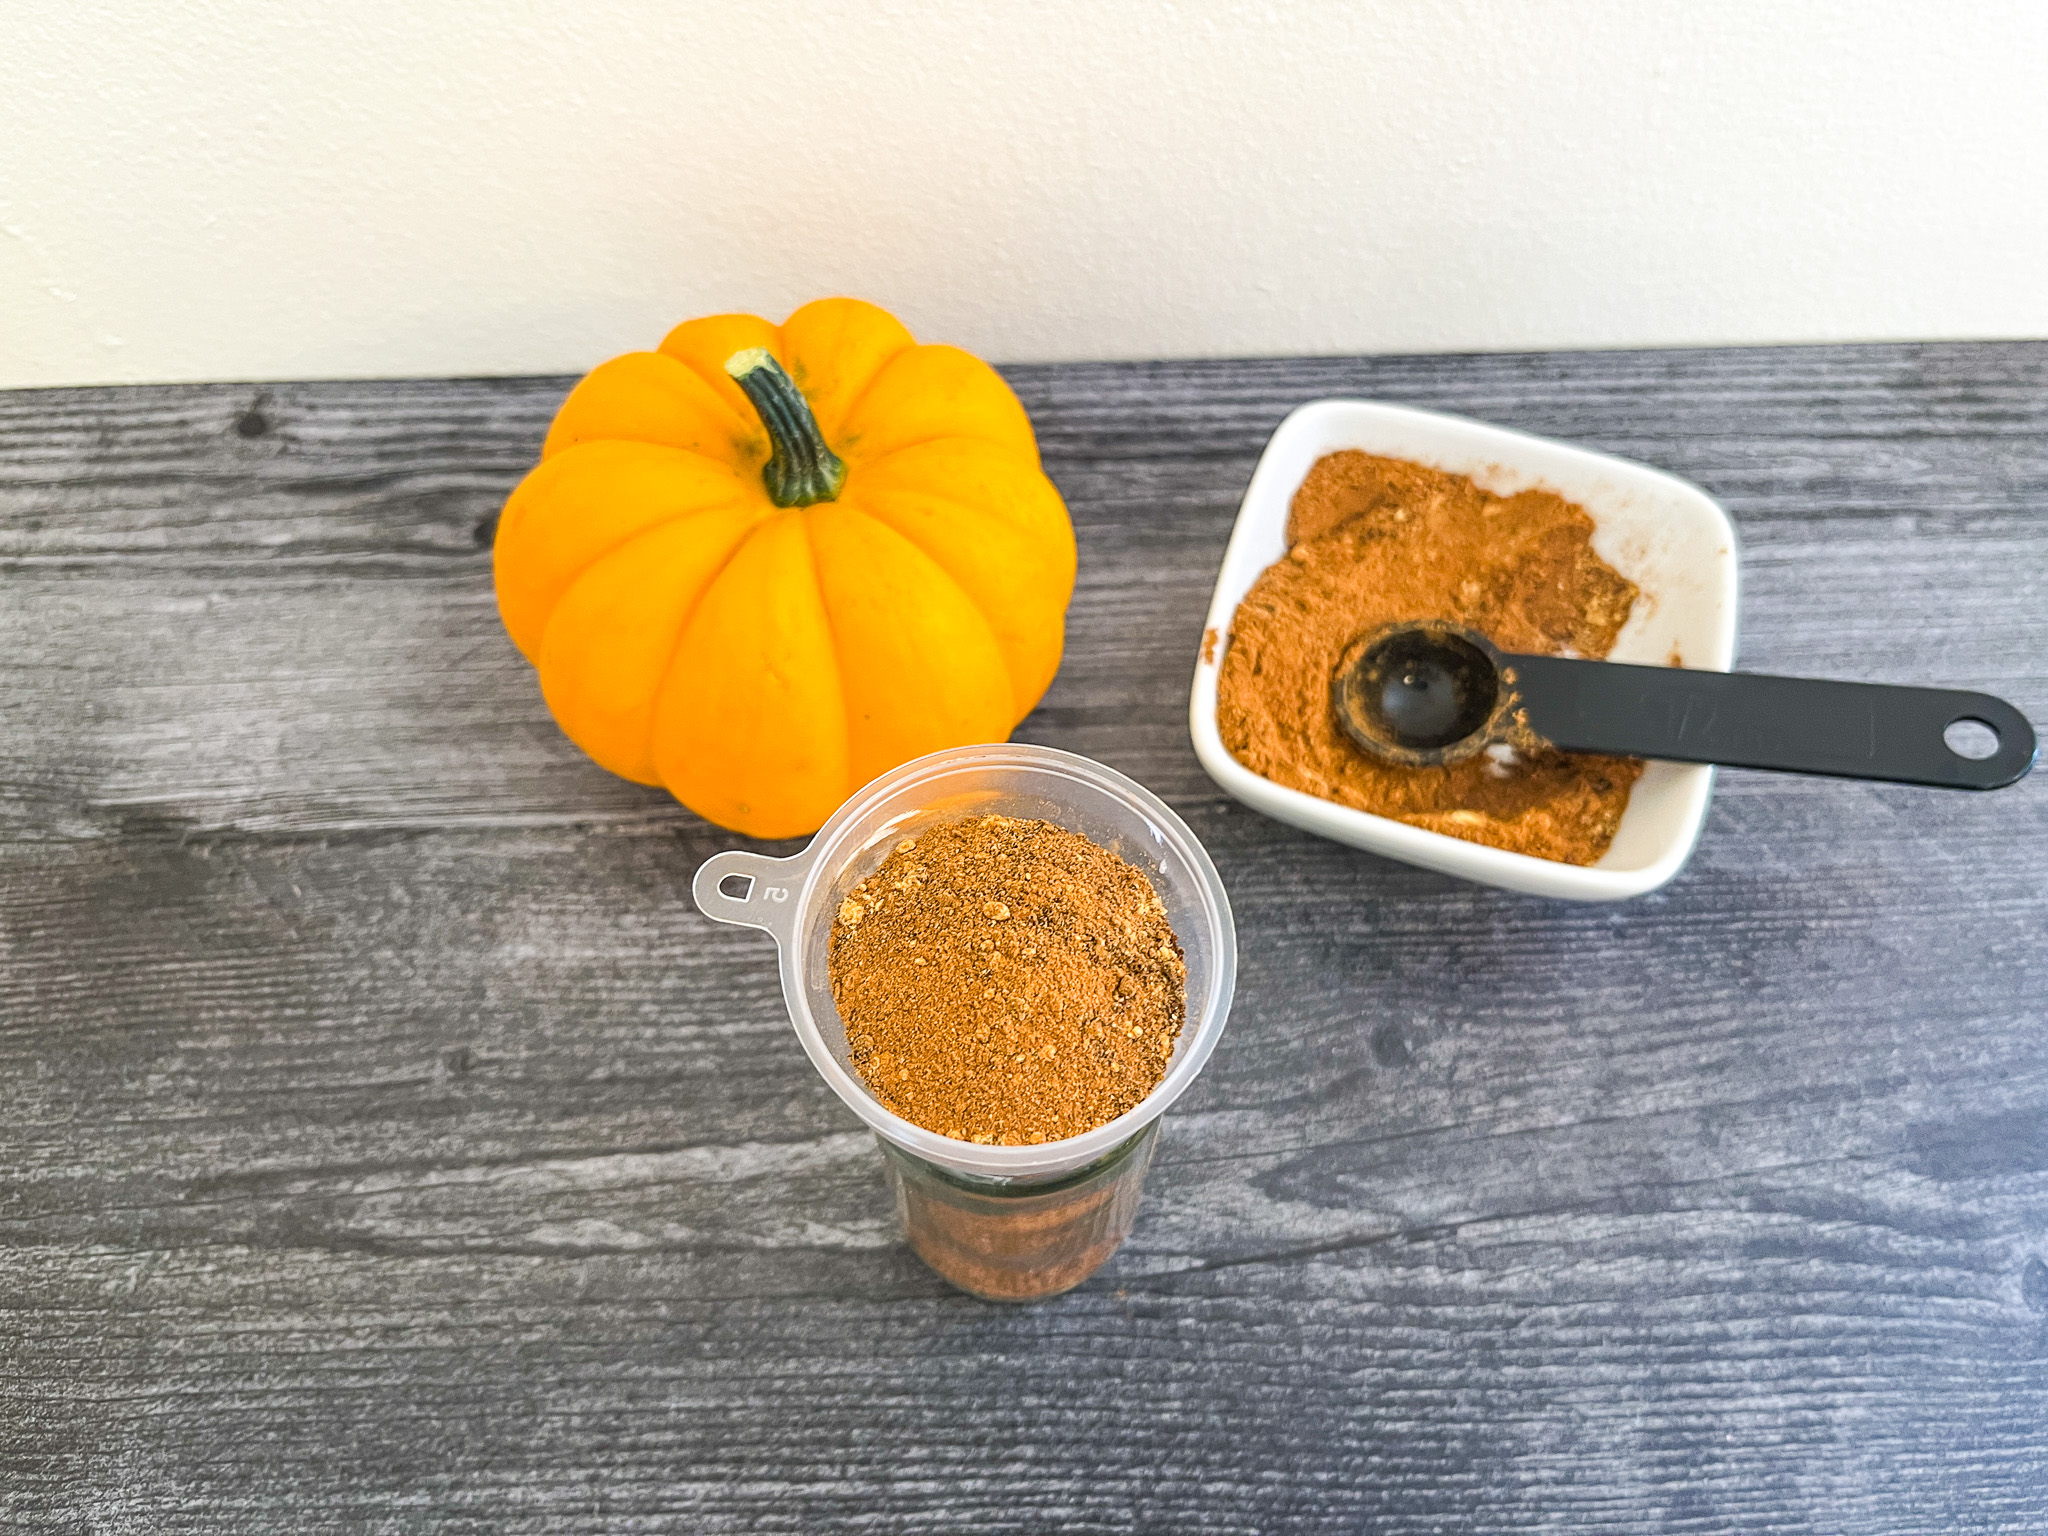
pixel 388 1145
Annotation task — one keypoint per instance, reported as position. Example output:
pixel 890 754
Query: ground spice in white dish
pixel 1376 541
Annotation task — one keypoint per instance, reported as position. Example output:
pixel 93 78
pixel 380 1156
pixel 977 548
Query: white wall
pixel 243 189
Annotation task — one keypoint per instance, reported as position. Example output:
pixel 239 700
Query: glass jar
pixel 1003 1240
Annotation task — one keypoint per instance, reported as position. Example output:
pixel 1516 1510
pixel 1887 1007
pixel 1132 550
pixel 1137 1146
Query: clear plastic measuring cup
pixel 1010 1223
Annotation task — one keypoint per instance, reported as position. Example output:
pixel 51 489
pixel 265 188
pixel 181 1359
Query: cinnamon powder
pixel 1376 541
pixel 1007 981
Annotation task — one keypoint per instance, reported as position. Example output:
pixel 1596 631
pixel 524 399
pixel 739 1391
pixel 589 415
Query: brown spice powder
pixel 1007 981
pixel 1377 541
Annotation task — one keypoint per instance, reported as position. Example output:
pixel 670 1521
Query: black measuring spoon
pixel 1432 692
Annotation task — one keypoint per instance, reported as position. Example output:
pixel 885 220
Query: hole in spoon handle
pixel 1789 724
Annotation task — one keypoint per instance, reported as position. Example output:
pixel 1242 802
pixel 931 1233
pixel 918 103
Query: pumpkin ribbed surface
pixel 764 661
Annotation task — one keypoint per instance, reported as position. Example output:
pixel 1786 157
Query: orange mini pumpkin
pixel 764 564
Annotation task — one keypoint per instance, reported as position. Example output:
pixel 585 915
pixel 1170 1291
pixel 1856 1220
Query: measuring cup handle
pixel 766 901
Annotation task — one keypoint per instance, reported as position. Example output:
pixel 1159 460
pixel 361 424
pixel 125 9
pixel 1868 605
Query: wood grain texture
pixel 389 1146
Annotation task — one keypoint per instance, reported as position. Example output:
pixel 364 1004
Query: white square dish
pixel 1666 535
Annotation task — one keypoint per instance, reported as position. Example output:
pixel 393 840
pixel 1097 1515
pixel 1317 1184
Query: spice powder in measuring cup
pixel 1007 981
pixel 1375 541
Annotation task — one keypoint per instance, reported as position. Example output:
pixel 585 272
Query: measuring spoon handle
pixel 1748 720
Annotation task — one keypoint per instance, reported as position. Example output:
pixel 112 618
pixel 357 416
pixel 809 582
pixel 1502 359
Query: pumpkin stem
pixel 802 469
